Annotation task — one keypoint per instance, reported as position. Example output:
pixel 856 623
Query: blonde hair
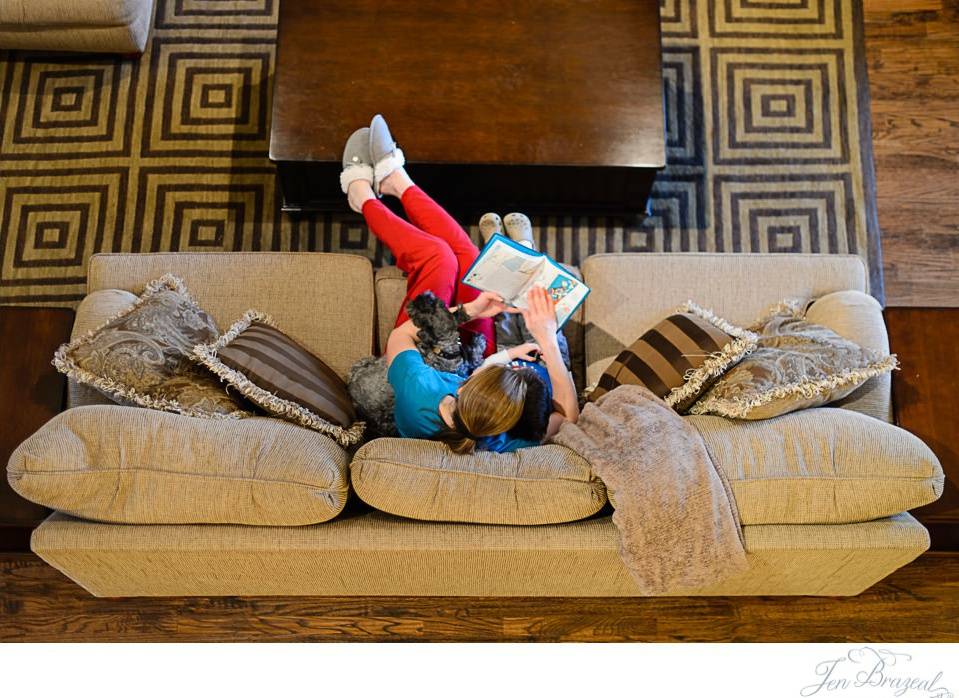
pixel 490 402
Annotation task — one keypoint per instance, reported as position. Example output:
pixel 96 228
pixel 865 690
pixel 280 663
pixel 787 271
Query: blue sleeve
pixel 404 368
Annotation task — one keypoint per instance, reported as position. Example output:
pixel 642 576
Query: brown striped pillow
pixel 276 373
pixel 680 357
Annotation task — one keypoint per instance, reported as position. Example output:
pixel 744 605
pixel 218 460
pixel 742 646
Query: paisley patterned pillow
pixel 142 356
pixel 797 364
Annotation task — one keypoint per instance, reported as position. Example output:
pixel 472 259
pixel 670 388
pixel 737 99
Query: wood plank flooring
pixel 918 603
pixel 912 49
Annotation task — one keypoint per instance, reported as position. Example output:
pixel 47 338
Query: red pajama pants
pixel 432 249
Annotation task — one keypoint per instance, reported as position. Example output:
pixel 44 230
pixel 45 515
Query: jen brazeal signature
pixel 888 673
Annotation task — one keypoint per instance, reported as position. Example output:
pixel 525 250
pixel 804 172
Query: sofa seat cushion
pixel 139 466
pixel 821 466
pixel 422 479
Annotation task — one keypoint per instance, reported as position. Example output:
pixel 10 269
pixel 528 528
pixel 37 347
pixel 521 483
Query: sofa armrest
pixel 857 316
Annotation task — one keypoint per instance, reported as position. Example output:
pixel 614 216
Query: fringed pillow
pixel 680 357
pixel 142 356
pixel 797 364
pixel 279 375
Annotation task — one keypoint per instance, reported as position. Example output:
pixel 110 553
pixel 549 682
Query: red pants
pixel 434 251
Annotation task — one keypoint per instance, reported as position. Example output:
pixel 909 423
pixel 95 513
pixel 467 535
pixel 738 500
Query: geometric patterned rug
pixel 768 145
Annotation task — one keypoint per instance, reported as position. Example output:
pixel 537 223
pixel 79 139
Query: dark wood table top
pixel 924 396
pixel 32 392
pixel 541 82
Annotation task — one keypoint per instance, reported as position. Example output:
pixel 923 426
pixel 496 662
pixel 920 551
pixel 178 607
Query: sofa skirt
pixel 376 554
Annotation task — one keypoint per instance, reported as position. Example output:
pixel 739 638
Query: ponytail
pixel 490 402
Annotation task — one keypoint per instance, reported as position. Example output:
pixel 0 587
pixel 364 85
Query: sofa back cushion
pixel 632 292
pixel 142 466
pixel 425 480
pixel 322 300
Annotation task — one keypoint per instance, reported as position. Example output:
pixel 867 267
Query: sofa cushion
pixel 73 13
pixel 143 355
pixel 275 372
pixel 631 292
pixel 679 357
pixel 323 299
pixel 139 466
pixel 798 364
pixel 820 466
pixel 422 479
pixel 96 309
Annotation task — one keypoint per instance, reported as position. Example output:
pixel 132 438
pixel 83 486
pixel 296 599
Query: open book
pixel 511 270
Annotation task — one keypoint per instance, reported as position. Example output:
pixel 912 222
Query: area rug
pixel 769 146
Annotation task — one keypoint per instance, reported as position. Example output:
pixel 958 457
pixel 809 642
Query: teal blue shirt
pixel 419 389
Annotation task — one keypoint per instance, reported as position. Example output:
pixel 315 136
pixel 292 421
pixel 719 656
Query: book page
pixel 505 270
pixel 565 289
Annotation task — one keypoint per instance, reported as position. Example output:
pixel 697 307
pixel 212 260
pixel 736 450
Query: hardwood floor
pixel 918 603
pixel 912 49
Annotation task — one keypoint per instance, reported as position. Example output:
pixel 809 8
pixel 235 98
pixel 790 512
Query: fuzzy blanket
pixel 676 515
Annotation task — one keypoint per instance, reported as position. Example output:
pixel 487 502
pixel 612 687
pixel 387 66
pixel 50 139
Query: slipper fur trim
pixel 352 173
pixel 386 166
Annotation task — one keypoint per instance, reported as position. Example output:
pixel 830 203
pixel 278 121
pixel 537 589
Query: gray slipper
pixel 385 155
pixel 490 224
pixel 356 159
pixel 519 229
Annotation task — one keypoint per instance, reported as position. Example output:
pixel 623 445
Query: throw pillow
pixel 797 364
pixel 142 356
pixel 680 357
pixel 277 374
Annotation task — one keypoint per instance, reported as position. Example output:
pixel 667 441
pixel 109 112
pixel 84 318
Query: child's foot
pixel 358 193
pixel 395 183
pixel 385 155
pixel 490 224
pixel 519 229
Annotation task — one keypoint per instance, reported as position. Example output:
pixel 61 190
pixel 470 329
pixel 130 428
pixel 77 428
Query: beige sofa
pixel 336 306
pixel 107 26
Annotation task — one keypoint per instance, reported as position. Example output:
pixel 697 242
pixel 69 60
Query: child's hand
pixel 525 352
pixel 486 304
pixel 540 315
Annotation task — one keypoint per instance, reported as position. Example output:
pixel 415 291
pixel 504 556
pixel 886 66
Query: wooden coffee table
pixel 540 105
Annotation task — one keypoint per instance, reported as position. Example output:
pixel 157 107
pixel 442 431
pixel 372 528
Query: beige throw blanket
pixel 674 509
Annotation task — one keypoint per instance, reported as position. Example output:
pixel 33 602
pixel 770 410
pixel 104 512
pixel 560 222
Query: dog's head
pixel 437 337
